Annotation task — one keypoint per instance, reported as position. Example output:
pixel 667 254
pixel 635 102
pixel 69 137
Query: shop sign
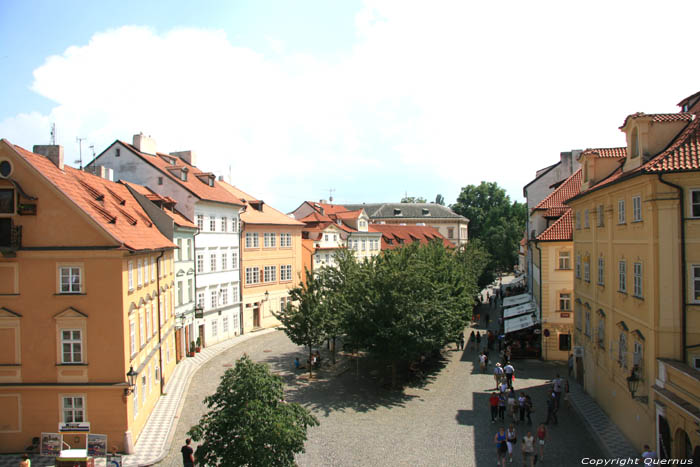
pixel 565 315
pixel 74 427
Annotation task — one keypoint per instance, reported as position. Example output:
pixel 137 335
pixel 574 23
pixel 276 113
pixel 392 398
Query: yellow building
pixel 85 295
pixel 637 280
pixel 271 260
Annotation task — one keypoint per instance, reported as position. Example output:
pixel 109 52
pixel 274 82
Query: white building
pixel 214 211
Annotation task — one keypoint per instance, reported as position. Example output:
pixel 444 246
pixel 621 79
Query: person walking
pixel 502 406
pixel 482 361
pixel 509 371
pixel 493 403
pixel 522 401
pixel 528 450
pixel 472 340
pixel 557 386
pixel 25 462
pixel 497 374
pixel 460 344
pixel 501 447
pixel 511 439
pixel 541 437
pixel 478 340
pixel 551 409
pixel 528 408
pixel 512 405
pixel 187 454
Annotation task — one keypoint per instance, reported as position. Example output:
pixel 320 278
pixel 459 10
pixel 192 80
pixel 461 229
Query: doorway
pixel 256 316
pixel 664 438
pixel 201 335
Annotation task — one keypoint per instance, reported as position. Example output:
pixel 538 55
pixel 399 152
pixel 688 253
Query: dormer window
pixel 183 174
pixel 426 212
pixel 634 143
pixel 397 211
pixel 211 181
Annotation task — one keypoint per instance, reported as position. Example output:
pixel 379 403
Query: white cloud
pixel 434 95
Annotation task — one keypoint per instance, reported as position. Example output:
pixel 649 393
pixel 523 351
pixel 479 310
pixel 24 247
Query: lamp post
pixel 131 378
pixel 633 381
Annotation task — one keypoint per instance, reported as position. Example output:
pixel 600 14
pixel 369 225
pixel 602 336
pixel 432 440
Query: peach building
pixel 86 296
pixel 271 260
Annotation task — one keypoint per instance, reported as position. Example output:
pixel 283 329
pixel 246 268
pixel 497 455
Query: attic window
pixel 340 222
pixel 117 152
pixel 183 174
pixel 426 212
pixel 397 211
pixel 211 181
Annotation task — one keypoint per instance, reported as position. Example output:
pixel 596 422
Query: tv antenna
pixel 80 145
pixel 330 194
pixel 92 148
pixel 53 134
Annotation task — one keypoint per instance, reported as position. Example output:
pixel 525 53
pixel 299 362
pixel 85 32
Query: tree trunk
pixel 309 363
pixel 333 350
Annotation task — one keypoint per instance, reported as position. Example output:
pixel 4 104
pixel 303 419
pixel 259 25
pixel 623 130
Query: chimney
pixel 53 152
pixel 188 156
pixel 221 178
pixel 144 143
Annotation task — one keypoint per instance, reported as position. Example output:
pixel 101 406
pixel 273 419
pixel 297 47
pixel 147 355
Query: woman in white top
pixel 511 439
pixel 528 449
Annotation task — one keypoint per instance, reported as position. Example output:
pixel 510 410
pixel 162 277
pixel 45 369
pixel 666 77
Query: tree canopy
pixel 439 199
pixel 495 220
pixel 413 199
pixel 248 422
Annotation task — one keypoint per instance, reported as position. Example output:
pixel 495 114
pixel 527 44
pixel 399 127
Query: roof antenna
pixel 330 195
pixel 80 144
pixel 53 134
pixel 94 169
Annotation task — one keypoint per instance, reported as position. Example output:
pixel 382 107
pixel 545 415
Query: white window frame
pixel 621 214
pixel 565 301
pixel 153 269
pixel 601 215
pixel 587 270
pixel 71 413
pixel 252 275
pixel 578 220
pixel 252 240
pixel 636 208
pixel 577 271
pixel 132 338
pixel 601 270
pixel 200 263
pixel 694 278
pixel 200 300
pixel 143 338
pixel 70 276
pixel 270 274
pixel 637 272
pixel 564 260
pixel 587 323
pixel 638 355
pixel 622 276
pixel 212 262
pixel 234 260
pixel 586 219
pixel 200 222
pixel 224 324
pixel 692 205
pixel 224 296
pixel 224 261
pixel 214 299
pixel 72 342
pixel 269 240
pixel 130 268
pixel 214 327
pixel 212 223
pixel 622 349
pixel 139 270
pixel 601 332
pixel 224 224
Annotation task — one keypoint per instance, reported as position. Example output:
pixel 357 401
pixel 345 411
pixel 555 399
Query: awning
pixel 518 323
pixel 516 300
pixel 518 310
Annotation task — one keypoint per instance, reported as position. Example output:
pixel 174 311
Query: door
pixel 178 345
pixel 664 438
pixel 256 316
pixel 201 335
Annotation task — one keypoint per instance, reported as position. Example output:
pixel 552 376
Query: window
pixel 142 327
pixel 586 223
pixel 200 300
pixel 139 281
pixel 156 374
pixel 283 303
pixel 622 350
pixel 224 261
pixel 212 223
pixel 71 346
pixel 587 270
pixel 564 260
pixel 160 180
pixel 224 323
pixel 149 320
pixel 578 220
pixel 578 267
pixel 285 240
pixel 179 249
pixel 577 316
pixel 587 324
pixel 601 271
pixel 188 256
pixel 234 225
pixel 136 400
pixel 132 338
pixel 234 260
pixel 131 275
pixel 565 342
pixel 252 275
pixel 212 262
pixel 601 332
pixel 224 296
pixel 70 279
pixel 695 203
pixel 638 356
pixel 286 272
pixel 200 221
pixel 224 224
pixel 622 273
pixel 73 409
pixel 695 277
pixel 269 240
pixel 636 209
pixel 270 273
pixel 325 237
pixel 7 201
pixel 621 217
pixel 637 275
pixel 564 302
pixel 214 298
pixel 180 293
pixel 234 293
pixel 153 268
pixel 144 386
pixel 189 290
pixel 252 240
pixel 200 263
pixel 214 327
pixel 600 215
pixel 450 232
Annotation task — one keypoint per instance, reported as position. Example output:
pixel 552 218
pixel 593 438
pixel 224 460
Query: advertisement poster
pixel 96 445
pixel 51 444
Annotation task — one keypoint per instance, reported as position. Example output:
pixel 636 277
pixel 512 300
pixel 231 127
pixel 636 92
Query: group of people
pixel 506 440
pixel 314 360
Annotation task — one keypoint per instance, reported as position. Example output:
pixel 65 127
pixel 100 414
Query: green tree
pixel 495 220
pixel 413 199
pixel 248 422
pixel 305 317
pixel 439 199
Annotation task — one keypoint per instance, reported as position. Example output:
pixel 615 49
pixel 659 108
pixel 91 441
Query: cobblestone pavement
pixel 445 421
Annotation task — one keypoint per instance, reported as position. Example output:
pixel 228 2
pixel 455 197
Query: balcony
pixel 10 237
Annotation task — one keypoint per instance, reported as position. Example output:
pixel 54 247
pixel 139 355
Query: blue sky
pixel 373 99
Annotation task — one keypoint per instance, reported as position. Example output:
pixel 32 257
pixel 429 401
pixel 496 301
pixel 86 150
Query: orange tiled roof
pixel 607 152
pixel 683 154
pixel 193 184
pixel 408 234
pixel 562 230
pixel 328 208
pixel 348 214
pixel 316 217
pixel 174 214
pixel 108 204
pixel 662 118
pixel 556 199
pixel 268 215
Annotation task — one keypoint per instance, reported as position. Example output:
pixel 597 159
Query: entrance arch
pixel 682 447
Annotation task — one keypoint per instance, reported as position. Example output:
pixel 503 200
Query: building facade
pixel 214 211
pixel 86 295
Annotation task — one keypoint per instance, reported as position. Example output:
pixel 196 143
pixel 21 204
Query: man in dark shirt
pixel 187 454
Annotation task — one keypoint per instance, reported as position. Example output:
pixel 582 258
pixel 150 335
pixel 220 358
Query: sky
pixel 363 100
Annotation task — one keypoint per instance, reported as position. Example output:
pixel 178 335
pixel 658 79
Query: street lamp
pixel 131 378
pixel 633 381
pixel 267 295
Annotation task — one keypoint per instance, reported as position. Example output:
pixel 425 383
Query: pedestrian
pixel 187 454
pixel 503 387
pixel 511 439
pixel 493 403
pixel 551 409
pixel 522 402
pixel 472 340
pixel 529 408
pixel 497 373
pixel 502 406
pixel 478 340
pixel 25 462
pixel 509 371
pixel 491 338
pixel 541 437
pixel 528 449
pixel 296 363
pixel 501 447
pixel 571 364
pixel 509 353
pixel 461 341
pixel 648 453
pixel 557 387
pixel 482 361
pixel 512 405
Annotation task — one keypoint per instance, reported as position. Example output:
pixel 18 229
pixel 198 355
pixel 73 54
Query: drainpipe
pixel 684 286
pixel 240 271
pixel 160 344
pixel 540 281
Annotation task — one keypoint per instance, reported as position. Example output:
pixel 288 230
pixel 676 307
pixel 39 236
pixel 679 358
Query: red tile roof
pixel 561 230
pixel 661 118
pixel 557 198
pixel 194 183
pixel 607 152
pixel 266 216
pixel 162 201
pixel 407 234
pixel 328 208
pixel 110 205
pixel 682 155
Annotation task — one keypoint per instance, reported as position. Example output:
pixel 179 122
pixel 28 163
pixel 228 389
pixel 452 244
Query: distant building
pixel 396 236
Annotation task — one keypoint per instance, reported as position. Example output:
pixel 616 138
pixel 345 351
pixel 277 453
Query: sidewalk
pixel 154 440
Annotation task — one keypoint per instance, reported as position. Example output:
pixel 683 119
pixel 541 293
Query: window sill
pixel 637 221
pixel 638 297
pixel 68 293
pixel 9 364
pixel 71 364
pixel 623 292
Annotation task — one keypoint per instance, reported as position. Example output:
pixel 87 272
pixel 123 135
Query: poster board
pixel 51 444
pixel 96 445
